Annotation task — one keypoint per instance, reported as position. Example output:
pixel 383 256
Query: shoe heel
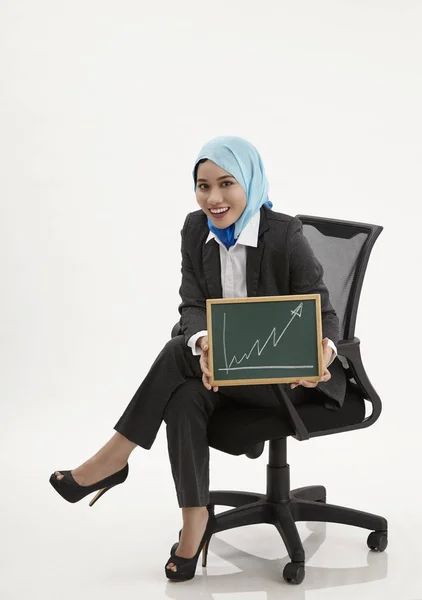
pixel 205 553
pixel 98 495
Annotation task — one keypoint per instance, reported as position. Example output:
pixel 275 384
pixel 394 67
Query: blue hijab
pixel 242 160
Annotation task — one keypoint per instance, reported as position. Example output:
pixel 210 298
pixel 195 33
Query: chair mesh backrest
pixel 340 257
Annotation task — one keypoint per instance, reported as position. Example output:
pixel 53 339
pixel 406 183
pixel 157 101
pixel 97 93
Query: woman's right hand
pixel 202 343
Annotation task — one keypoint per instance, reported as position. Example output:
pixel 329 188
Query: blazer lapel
pixel 254 258
pixel 212 268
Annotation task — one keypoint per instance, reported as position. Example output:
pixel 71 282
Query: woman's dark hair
pixel 196 167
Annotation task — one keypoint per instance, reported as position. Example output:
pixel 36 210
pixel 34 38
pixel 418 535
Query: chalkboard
pixel 261 340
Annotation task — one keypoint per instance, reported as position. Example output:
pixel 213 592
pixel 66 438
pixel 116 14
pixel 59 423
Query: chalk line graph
pixel 297 312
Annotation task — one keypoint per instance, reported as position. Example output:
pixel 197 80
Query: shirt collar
pixel 247 237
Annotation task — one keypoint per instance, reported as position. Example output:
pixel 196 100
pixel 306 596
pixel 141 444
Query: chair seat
pixel 236 430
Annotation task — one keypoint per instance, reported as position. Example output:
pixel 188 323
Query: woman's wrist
pixel 201 342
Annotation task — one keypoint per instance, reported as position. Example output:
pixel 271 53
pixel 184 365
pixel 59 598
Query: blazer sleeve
pixel 193 306
pixel 306 277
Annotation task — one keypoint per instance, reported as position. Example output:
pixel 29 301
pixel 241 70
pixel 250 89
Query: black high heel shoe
pixel 186 567
pixel 71 491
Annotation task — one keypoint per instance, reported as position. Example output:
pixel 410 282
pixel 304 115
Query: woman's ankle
pixel 194 512
pixel 117 450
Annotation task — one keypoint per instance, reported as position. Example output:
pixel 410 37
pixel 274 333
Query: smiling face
pixel 219 194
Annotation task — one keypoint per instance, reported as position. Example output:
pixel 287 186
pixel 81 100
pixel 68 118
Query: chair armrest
pixel 350 349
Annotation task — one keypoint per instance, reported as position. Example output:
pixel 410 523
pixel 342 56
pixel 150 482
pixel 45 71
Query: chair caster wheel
pixel 294 572
pixel 378 541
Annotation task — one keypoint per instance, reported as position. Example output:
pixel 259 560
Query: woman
pixel 234 246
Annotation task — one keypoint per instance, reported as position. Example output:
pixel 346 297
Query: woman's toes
pixel 59 476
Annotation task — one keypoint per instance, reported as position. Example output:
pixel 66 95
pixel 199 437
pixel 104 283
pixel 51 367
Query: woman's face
pixel 217 190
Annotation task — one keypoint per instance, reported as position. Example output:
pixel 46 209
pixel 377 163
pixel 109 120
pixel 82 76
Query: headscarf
pixel 242 160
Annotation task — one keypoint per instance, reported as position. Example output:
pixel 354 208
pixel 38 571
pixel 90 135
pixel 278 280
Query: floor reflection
pixel 264 576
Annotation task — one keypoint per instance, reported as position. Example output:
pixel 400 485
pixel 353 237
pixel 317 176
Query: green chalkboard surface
pixel 271 339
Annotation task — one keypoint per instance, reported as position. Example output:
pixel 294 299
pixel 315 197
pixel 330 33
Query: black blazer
pixel 282 264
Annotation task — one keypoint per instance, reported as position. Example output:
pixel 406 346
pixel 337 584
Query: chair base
pixel 283 507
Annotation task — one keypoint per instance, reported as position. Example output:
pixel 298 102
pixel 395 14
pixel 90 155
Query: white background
pixel 103 109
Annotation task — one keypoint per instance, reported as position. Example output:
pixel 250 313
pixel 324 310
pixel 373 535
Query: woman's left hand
pixel 326 357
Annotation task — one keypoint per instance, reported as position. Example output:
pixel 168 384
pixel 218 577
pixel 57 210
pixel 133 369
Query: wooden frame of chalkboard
pixel 302 343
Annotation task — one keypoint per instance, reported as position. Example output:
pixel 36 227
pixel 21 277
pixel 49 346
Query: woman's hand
pixel 202 343
pixel 326 356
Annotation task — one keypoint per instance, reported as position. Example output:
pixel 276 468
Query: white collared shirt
pixel 233 271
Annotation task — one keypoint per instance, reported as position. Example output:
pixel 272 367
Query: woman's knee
pixel 176 356
pixel 191 397
pixel 177 350
pixel 175 344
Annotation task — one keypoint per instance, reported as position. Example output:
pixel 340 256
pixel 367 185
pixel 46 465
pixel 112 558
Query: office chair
pixel 343 248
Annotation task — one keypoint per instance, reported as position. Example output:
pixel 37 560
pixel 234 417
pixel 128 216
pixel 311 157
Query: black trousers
pixel 173 392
